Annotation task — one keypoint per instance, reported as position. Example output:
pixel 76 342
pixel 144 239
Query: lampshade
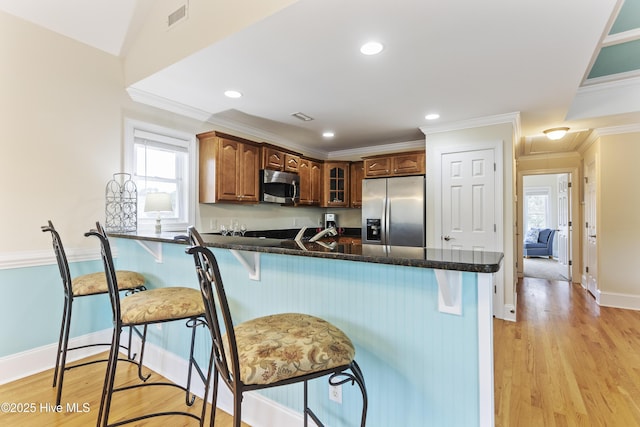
pixel 556 133
pixel 158 202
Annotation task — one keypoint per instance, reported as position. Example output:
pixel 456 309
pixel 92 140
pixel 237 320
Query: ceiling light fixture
pixel 556 133
pixel 232 94
pixel 371 48
pixel 432 116
pixel 328 134
pixel 302 116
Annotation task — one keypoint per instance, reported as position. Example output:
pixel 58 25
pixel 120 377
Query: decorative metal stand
pixel 121 209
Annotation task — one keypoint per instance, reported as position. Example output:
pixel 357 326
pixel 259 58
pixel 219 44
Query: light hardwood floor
pixel 84 386
pixel 566 361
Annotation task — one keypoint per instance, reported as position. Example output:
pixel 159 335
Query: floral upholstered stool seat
pixel 96 283
pixel 283 346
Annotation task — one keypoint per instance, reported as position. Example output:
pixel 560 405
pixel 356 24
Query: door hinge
pixel 495 289
pixel 586 225
pixel 586 179
pixel 586 269
pixel 494 167
pixel 570 224
pixel 495 228
pixel 569 185
pixel 570 262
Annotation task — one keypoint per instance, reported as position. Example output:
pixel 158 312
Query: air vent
pixel 302 117
pixel 180 14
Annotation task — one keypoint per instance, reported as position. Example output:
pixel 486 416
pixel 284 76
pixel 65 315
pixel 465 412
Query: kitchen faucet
pixel 331 231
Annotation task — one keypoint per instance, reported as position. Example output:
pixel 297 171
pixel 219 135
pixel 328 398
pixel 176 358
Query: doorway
pixel 547 226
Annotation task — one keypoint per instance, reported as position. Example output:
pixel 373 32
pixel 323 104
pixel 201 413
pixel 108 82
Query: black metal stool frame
pixel 218 316
pixel 109 384
pixel 65 325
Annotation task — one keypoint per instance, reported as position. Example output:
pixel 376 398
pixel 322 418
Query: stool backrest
pixel 109 269
pixel 217 312
pixel 61 258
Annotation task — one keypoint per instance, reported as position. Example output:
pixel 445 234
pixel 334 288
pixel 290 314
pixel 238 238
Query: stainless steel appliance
pixel 330 220
pixel 279 187
pixel 393 211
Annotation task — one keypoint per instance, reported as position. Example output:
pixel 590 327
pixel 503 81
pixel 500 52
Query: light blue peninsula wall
pixel 421 366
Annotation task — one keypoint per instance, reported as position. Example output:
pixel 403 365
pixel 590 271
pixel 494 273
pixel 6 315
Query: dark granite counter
pixel 330 248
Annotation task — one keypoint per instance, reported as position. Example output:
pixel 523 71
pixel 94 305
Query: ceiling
pixel 571 63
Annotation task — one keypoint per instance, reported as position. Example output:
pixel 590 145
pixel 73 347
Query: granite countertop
pixel 330 248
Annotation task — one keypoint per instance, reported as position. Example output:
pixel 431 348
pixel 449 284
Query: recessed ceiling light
pixel 328 134
pixel 232 94
pixel 371 48
pixel 432 116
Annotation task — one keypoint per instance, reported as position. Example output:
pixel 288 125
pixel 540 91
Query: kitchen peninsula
pixel 420 318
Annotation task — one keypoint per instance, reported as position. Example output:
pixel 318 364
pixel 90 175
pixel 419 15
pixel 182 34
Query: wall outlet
pixel 335 393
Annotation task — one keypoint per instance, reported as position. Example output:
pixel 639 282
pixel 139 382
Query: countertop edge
pixel 480 267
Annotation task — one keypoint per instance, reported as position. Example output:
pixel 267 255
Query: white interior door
pixel 564 215
pixel 468 201
pixel 591 268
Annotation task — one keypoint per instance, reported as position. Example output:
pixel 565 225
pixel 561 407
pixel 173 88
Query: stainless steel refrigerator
pixel 393 211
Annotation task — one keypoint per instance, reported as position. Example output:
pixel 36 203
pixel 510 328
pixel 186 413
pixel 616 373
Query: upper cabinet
pixel 335 181
pixel 310 181
pixel 400 164
pixel 357 174
pixel 229 169
pixel 276 158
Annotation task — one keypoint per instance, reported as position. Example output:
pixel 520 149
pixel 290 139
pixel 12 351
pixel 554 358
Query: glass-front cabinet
pixel 336 184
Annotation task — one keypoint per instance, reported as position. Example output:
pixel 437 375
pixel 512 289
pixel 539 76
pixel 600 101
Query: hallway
pixel 566 361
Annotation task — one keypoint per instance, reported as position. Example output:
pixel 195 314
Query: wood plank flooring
pixel 84 386
pixel 566 361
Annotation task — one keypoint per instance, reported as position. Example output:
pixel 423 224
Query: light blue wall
pixel 31 307
pixel 420 365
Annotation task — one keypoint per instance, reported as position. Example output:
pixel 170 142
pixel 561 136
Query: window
pixel 162 160
pixel 536 208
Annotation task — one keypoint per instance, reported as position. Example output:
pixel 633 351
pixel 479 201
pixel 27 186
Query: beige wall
pixel 60 135
pixel 155 47
pixel 619 215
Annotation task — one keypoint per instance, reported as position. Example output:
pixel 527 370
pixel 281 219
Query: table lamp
pixel 158 202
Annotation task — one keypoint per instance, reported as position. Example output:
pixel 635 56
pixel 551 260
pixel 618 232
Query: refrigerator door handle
pixel 387 220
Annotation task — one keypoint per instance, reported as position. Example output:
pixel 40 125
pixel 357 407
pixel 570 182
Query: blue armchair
pixel 543 246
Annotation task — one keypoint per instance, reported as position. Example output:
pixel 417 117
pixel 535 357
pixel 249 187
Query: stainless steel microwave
pixel 279 187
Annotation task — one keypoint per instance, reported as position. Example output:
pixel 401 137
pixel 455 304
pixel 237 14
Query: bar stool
pixel 142 309
pixel 273 350
pixel 82 286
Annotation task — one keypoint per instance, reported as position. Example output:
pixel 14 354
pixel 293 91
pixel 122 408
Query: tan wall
pixel 619 214
pixel 155 47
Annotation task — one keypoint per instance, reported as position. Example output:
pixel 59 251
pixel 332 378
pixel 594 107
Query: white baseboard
pixel 617 300
pixel 23 364
pixel 509 312
pixel 257 410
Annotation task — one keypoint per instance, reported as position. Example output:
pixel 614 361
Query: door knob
pixel 592 235
pixel 447 238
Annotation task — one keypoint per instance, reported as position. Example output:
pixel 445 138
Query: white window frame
pixel 537 191
pixel 167 137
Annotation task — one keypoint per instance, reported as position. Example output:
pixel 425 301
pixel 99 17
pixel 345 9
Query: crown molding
pixel 377 149
pixel 512 118
pixel 616 130
pixel 156 101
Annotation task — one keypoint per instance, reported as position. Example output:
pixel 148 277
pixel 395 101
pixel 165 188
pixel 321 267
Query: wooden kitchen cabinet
pixel 229 169
pixel 276 158
pixel 335 182
pixel 357 175
pixel 310 182
pixel 401 164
